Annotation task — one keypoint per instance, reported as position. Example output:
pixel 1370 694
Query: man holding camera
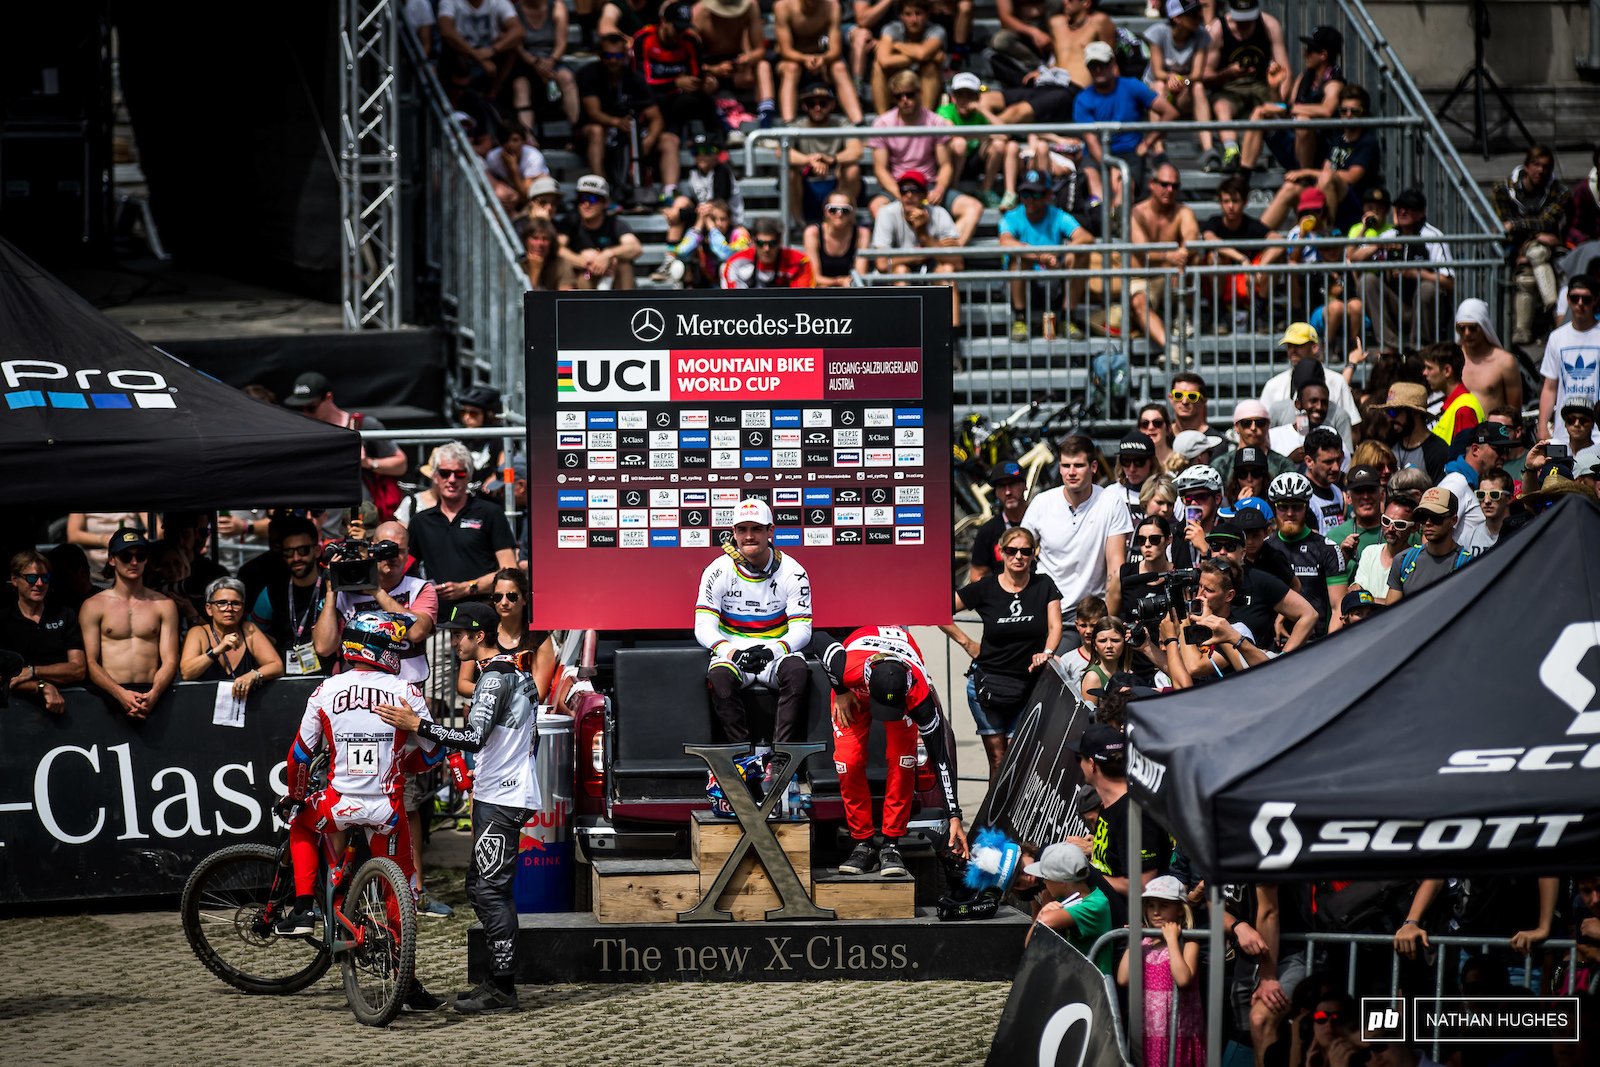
pixel 288 613
pixel 1214 644
pixel 754 614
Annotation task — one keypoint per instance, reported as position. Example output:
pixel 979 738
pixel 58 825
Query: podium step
pixel 749 894
pixel 643 891
pixel 864 896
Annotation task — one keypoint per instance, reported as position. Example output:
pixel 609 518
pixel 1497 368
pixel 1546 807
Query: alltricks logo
pixel 138 388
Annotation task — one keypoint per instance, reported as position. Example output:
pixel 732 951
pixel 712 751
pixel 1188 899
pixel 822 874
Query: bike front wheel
pixel 382 917
pixel 229 905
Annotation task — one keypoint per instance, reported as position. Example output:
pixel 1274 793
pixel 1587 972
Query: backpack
pixel 1408 562
pixel 1133 54
pixel 384 490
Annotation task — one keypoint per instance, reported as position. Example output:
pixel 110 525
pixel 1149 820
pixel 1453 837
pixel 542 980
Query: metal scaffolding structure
pixel 369 168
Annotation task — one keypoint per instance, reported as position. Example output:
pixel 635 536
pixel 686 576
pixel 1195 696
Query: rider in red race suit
pixel 882 667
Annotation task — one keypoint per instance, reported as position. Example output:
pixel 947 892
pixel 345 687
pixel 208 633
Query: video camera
pixel 352 564
pixel 1169 591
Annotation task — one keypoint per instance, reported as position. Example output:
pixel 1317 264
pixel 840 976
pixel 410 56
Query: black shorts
pixel 1052 103
pixel 682 111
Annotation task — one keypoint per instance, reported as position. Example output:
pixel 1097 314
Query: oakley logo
pixel 1274 856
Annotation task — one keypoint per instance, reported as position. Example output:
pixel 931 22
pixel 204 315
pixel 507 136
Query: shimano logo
pixel 1278 839
pixel 1146 771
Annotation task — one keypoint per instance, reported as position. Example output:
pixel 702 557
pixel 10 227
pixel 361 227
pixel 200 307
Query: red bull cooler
pixel 545 867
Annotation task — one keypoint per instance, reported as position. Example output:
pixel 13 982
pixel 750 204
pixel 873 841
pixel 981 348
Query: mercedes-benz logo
pixel 879 496
pixel 847 418
pixel 725 537
pixel 648 325
pixel 665 417
pixel 818 518
pixel 633 499
pixel 571 460
pixel 694 518
pixel 755 437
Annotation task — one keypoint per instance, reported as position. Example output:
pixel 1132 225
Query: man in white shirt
pixel 512 168
pixel 1481 447
pixel 486 31
pixel 1082 530
pixel 1571 356
pixel 1302 342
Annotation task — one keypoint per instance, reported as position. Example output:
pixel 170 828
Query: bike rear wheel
pixel 377 973
pixel 229 905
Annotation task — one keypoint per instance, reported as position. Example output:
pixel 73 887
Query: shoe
pixel 487 999
pixel 1230 159
pixel 420 1000
pixel 860 861
pixel 429 908
pixel 662 273
pixel 1188 328
pixel 298 923
pixel 1009 201
pixel 1074 332
pixel 989 197
pixel 1211 161
pixel 890 864
pixel 1020 333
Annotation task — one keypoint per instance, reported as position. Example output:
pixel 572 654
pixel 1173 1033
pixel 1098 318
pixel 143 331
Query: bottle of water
pixel 552 91
pixel 791 800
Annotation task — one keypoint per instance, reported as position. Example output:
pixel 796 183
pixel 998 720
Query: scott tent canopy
pixel 1456 733
pixel 94 419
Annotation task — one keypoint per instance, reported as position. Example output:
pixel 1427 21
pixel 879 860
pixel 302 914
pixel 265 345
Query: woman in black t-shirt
pixel 1021 613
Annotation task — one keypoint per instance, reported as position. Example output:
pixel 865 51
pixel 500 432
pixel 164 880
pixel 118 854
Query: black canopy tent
pixel 1448 735
pixel 95 419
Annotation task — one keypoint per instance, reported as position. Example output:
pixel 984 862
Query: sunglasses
pixel 613 55
pixel 1328 1017
pixel 1147 539
pixel 1199 498
pixel 768 242
pixel 1398 525
pixel 448 475
pixel 840 210
pixel 509 598
pixel 1164 185
pixel 590 198
pixel 35 579
pixel 1253 424
pixel 1017 550
pixel 817 101
pixel 706 150
pixel 228 605
pixel 1580 298
pixel 1466 327
pixel 908 96
pixel 1152 424
pixel 1429 518
pixel 1355 112
pixel 1187 396
pixel 135 555
pixel 298 550
pixel 1492 495
pixel 1576 417
pixel 1222 546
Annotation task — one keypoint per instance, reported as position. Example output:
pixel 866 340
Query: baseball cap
pixel 1190 443
pixel 519 468
pixel 1411 199
pixel 308 391
pixel 1060 862
pixel 1097 52
pixel 1006 472
pixel 1299 333
pixel 1586 462
pixel 1311 200
pixel 913 177
pixel 1376 195
pixel 1247 517
pixel 817 89
pixel 966 81
pixel 1176 8
pixel 1244 10
pixel 888 687
pixel 1250 409
pixel 1250 457
pixel 1325 39
pixel 543 185
pixel 366 514
pixel 680 14
pixel 1438 501
pixel 752 509
pixel 125 539
pixel 1574 403
pixel 1033 182
pixel 593 183
pixel 1356 601
pixel 1225 530
pixel 1582 281
pixel 1496 435
pixel 1363 477
pixel 470 615
pixel 1164 888
pixel 1087 798
pixel 1136 446
pixel 1100 741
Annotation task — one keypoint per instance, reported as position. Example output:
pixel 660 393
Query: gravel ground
pixel 124 989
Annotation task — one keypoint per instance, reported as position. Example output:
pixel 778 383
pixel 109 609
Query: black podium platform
pixel 574 947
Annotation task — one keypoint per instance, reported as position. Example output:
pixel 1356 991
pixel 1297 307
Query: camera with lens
pixel 352 564
pixel 1165 591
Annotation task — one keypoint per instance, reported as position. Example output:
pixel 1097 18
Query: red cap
pixel 1312 200
pixel 915 177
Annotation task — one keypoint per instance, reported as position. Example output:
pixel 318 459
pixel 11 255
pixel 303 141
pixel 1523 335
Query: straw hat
pixel 1405 395
pixel 1556 485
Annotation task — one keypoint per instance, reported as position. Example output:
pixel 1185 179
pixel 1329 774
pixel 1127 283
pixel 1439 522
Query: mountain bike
pixel 235 897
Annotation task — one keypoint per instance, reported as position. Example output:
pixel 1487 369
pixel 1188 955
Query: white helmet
pixel 1289 486
pixel 1197 478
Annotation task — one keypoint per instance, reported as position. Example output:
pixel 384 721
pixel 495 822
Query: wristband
pixel 1165 641
pixel 211 652
pixel 1411 922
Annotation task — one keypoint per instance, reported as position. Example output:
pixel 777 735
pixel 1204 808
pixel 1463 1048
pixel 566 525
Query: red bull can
pixel 1049 325
pixel 545 865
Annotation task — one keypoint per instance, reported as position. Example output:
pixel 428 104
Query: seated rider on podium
pixel 754 614
pixel 882 667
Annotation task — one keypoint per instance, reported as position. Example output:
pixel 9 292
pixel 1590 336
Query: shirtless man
pixel 1491 373
pixel 1072 30
pixel 130 633
pixel 800 27
pixel 1159 220
pixel 735 46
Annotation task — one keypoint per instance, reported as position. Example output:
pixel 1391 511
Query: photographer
pixel 1021 614
pixel 1264 597
pixel 1213 645
pixel 287 612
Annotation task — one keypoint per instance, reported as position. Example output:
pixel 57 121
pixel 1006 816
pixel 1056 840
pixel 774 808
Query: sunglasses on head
pixel 35 579
pixel 1492 495
pixel 1017 550
pixel 136 555
pixel 840 210
pixel 509 598
pixel 1398 525
pixel 1188 396
pixel 591 198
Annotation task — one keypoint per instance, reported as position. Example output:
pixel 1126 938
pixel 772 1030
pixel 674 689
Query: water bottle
pixel 552 91
pixel 791 800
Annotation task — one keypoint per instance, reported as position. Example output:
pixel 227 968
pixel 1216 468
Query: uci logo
pixel 589 376
pixel 648 325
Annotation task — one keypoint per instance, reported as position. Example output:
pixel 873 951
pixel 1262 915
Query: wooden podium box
pixel 749 895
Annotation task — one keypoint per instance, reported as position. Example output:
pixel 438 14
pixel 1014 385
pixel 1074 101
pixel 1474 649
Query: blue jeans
pixel 990 724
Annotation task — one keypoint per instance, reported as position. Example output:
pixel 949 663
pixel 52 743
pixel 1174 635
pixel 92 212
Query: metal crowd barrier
pixel 1441 944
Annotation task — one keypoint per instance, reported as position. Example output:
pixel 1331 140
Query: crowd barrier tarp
pixel 94 805
pixel 1455 733
pixel 1031 799
pixel 1058 1011
pixel 95 419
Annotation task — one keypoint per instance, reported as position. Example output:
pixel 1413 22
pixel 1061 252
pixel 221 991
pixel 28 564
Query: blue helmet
pixel 374 639
pixel 750 773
